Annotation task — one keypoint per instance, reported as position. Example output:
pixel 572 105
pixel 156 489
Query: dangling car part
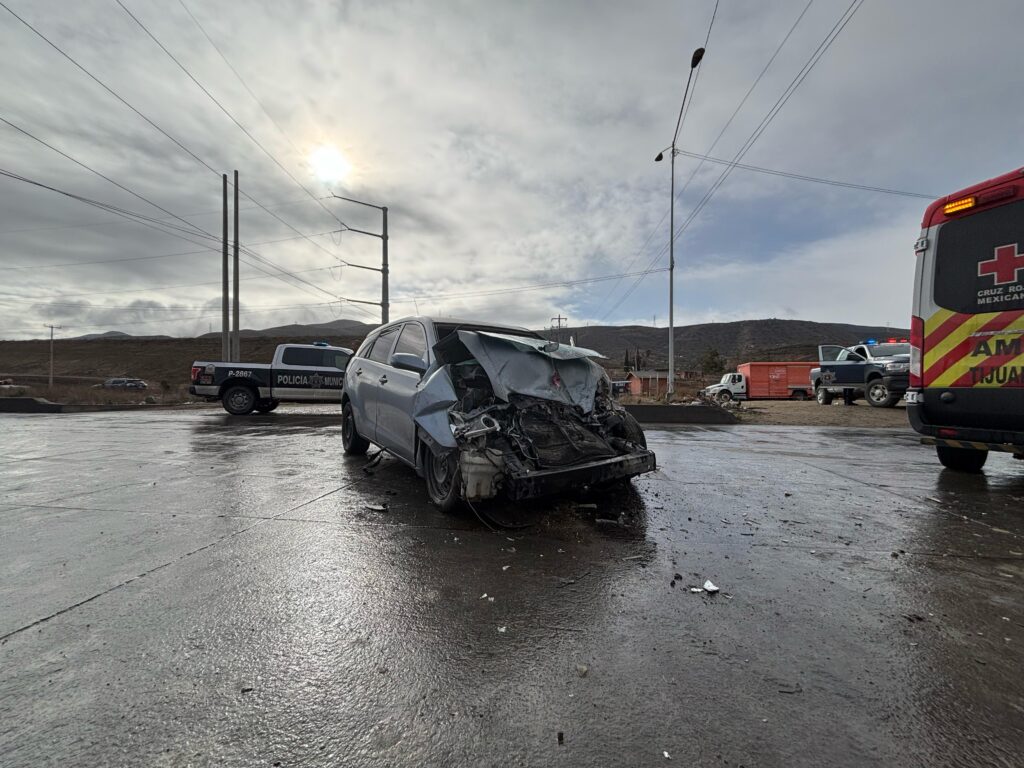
pixel 483 411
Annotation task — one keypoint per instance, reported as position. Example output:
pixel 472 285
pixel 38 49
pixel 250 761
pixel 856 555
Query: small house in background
pixel 651 383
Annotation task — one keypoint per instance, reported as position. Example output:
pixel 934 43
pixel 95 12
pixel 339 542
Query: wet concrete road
pixel 184 589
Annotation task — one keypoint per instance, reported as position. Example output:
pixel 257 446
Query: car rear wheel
pixel 239 400
pixel 443 479
pixel 823 396
pixel 879 396
pixel 351 441
pixel 961 459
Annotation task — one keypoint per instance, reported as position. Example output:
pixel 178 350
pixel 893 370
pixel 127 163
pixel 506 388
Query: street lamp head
pixel 697 56
pixel 660 157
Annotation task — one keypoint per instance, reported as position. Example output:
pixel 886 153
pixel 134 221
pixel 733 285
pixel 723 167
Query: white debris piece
pixel 483 595
pixel 502 629
pixel 666 754
pixel 709 587
pixel 505 567
pixel 696 589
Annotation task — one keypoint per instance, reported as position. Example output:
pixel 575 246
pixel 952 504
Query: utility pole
pixel 51 327
pixel 236 345
pixel 557 324
pixel 385 311
pixel 225 330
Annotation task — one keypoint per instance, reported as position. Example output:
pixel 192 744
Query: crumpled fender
pixel 430 407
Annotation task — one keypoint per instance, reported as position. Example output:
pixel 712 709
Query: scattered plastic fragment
pixel 483 595
pixel 582 669
pixel 490 599
pixel 667 755
pixel 505 567
pixel 376 507
pixel 502 629
pixel 709 587
pixel 696 589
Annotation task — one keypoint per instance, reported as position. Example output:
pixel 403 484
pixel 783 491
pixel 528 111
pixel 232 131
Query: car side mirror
pixel 408 362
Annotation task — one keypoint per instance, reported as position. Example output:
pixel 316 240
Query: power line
pixel 787 93
pixel 178 143
pixel 228 113
pixel 803 177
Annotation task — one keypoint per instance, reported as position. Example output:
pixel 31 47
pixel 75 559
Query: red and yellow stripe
pixel 954 355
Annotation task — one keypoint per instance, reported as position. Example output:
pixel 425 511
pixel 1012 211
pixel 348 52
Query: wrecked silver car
pixel 482 411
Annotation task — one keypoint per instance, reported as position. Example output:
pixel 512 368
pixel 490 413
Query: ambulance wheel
pixel 723 397
pixel 879 395
pixel 961 459
pixel 266 406
pixel 823 396
pixel 443 479
pixel 351 442
pixel 239 400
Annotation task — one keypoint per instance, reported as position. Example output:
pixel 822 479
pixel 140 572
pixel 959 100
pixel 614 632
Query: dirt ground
pixel 808 413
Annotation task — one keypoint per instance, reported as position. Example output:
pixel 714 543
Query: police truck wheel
pixel 879 396
pixel 351 442
pixel 266 406
pixel 961 459
pixel 823 396
pixel 443 479
pixel 239 400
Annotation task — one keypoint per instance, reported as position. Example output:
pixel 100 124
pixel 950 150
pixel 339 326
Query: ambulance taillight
pixel 916 351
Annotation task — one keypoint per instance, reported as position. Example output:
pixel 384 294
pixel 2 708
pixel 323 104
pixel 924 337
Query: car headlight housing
pixel 897 366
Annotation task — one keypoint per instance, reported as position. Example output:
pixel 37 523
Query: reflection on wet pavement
pixel 194 589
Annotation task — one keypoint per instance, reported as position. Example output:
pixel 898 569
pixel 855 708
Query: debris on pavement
pixel 505 567
pixel 667 755
pixel 709 587
pixel 582 670
pixel 561 738
pixel 376 507
pixel 502 629
pixel 695 590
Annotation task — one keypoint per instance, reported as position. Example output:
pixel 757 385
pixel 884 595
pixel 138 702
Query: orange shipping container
pixel 777 381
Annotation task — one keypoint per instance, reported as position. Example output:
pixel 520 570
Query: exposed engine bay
pixel 519 408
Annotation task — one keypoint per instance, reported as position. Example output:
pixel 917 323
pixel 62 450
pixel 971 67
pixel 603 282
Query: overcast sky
pixel 512 142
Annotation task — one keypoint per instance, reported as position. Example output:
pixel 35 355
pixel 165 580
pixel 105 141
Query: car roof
pixel 454 321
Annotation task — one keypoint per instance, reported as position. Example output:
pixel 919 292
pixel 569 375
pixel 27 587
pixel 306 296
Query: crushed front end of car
pixel 523 417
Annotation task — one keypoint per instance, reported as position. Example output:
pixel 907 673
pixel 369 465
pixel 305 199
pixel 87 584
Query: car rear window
pixel 305 356
pixel 977 258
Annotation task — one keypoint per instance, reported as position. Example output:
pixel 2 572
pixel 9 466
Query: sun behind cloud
pixel 329 164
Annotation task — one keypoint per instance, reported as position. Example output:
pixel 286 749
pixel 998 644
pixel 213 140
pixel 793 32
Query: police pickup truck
pixel 878 372
pixel 299 373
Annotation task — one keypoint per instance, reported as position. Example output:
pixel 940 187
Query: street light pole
pixel 694 62
pixel 384 270
pixel 51 327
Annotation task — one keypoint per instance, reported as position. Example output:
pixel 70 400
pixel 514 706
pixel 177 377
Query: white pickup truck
pixel 299 373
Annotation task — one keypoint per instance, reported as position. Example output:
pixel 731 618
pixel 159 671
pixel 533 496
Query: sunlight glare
pixel 329 164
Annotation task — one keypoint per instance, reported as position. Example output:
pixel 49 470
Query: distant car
pixel 122 384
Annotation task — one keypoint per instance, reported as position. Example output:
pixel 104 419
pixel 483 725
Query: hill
pixel 167 360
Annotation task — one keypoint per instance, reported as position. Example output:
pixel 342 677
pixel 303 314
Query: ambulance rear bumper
pixel 969 415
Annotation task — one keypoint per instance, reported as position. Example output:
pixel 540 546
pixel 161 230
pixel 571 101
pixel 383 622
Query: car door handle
pixel 383 379
pixel 359 371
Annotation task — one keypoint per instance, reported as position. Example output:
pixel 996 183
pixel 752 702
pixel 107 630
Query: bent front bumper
pixel 548 481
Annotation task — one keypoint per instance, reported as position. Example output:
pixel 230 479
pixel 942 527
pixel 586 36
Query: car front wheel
pixel 239 400
pixel 879 395
pixel 351 441
pixel 444 481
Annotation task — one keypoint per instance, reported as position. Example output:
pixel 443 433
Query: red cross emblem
pixel 1004 266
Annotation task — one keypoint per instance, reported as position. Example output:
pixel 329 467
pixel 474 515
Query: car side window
pixel 381 351
pixel 304 356
pixel 412 341
pixel 364 348
pixel 863 353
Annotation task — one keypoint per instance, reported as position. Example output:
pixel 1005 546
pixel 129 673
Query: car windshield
pixel 889 350
pixel 726 379
pixel 446 329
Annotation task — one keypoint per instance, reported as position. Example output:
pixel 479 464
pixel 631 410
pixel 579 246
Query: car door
pixel 366 382
pixel 849 370
pixel 395 427
pixel 296 374
pixel 333 375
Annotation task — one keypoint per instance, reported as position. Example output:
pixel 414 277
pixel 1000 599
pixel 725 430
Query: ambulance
pixel 966 391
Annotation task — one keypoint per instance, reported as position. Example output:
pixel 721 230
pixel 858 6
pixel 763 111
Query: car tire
pixel 351 441
pixel 823 396
pixel 444 482
pixel 879 395
pixel 239 400
pixel 799 394
pixel 632 431
pixel 266 406
pixel 961 459
pixel 723 397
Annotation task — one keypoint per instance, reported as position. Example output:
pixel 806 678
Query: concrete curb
pixel 42 405
pixel 681 414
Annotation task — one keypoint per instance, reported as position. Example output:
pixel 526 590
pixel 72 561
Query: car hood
pixel 515 365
